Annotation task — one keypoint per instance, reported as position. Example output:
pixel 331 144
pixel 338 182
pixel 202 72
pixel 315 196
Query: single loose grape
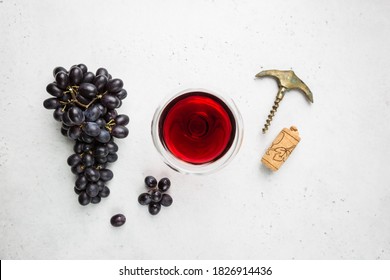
pixel 156 195
pixel 166 200
pixel 144 199
pixel 118 220
pixel 150 181
pixel 154 208
pixel 164 184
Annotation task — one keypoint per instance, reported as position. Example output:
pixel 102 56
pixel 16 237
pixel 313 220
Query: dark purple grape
pixel 144 199
pixel 59 69
pixel 100 151
pixel 114 85
pixel 77 169
pixel 64 132
pixel 104 136
pixel 102 160
pixel 76 115
pixel 155 195
pixel 105 192
pixel 83 100
pixel 81 182
pixel 57 114
pixel 106 175
pixel 112 147
pixel 86 138
pixel 84 199
pixel 101 83
pixel 75 76
pixel 62 80
pixel 83 67
pixel 102 71
pixel 88 160
pixel 150 182
pixel 92 189
pixel 54 90
pixel 112 157
pixel 74 132
pixel 101 122
pixel 110 101
pixel 92 174
pixel 102 109
pixel 88 147
pixel 122 120
pixel 100 184
pixel 66 120
pixel 122 94
pixel 51 103
pixel 64 126
pixel 111 114
pixel 74 159
pixel 78 147
pixel 119 131
pixel 166 200
pixel 164 184
pixel 76 190
pixel 91 129
pixel 88 90
pixel 118 220
pixel 88 77
pixel 96 199
pixel 154 208
pixel 92 113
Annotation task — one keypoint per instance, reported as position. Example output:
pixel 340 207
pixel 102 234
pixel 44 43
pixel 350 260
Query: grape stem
pixel 110 125
pixel 73 90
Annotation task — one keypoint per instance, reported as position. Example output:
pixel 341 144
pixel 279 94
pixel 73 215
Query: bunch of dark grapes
pixel 156 195
pixel 85 103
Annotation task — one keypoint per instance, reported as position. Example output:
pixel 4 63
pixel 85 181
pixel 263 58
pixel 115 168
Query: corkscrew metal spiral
pixel 287 80
pixel 271 114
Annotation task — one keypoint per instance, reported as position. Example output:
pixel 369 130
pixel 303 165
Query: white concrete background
pixel 331 200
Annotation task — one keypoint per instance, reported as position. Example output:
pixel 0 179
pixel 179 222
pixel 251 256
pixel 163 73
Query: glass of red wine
pixel 197 131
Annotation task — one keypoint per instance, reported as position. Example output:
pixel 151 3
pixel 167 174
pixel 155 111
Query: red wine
pixel 197 127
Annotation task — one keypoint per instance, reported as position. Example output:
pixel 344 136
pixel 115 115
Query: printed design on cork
pixel 281 148
pixel 280 153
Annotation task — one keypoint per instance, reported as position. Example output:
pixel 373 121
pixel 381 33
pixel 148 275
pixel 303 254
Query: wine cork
pixel 281 148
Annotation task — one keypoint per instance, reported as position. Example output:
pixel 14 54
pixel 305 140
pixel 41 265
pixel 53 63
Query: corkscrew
pixel 287 80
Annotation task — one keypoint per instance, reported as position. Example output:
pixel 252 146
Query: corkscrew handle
pixel 275 107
